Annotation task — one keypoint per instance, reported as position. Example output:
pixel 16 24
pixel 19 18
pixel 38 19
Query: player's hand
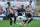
pixel 27 10
pixel 14 11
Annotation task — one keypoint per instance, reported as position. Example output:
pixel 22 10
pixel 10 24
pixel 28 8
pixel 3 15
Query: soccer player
pixel 20 11
pixel 28 13
pixel 10 13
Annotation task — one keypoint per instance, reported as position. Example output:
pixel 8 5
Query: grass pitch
pixel 34 23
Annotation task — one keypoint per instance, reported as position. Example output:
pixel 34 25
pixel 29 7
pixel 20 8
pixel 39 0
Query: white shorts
pixel 22 18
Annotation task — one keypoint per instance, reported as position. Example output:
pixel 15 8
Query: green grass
pixel 34 23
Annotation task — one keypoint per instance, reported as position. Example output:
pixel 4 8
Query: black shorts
pixel 11 15
pixel 28 15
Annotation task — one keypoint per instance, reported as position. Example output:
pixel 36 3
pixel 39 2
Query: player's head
pixel 8 3
pixel 22 6
pixel 30 2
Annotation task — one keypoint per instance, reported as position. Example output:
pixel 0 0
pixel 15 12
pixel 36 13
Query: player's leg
pixel 29 15
pixel 13 15
pixel 15 19
pixel 23 23
pixel 20 24
pixel 30 19
pixel 10 20
pixel 23 20
pixel 26 20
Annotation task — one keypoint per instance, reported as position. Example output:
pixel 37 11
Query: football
pixel 20 25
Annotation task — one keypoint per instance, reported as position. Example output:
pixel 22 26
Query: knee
pixel 26 18
pixel 11 19
pixel 31 17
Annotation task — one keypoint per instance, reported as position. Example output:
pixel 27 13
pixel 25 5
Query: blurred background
pixel 17 4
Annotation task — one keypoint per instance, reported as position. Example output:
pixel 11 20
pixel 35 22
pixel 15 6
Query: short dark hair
pixel 22 5
pixel 8 2
pixel 30 1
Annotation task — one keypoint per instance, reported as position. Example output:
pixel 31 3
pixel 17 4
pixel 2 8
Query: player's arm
pixel 18 10
pixel 7 8
pixel 15 10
